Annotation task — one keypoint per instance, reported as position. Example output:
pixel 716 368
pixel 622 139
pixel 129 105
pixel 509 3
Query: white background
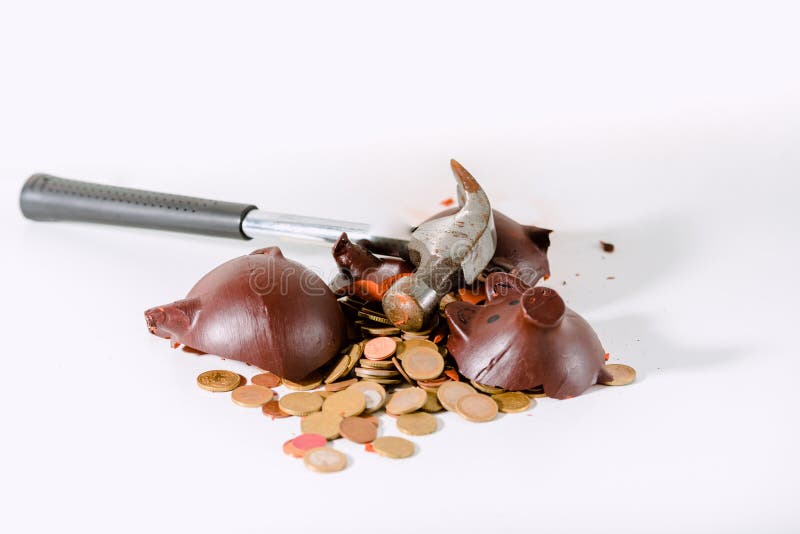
pixel 670 129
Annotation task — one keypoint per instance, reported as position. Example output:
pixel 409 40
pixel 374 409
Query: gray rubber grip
pixel 49 198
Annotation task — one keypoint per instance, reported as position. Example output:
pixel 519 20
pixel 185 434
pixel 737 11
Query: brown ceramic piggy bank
pixel 262 309
pixel 522 338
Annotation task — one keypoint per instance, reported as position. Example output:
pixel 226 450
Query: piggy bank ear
pixel 499 285
pixel 543 307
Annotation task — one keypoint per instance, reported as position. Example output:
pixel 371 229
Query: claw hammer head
pixel 441 248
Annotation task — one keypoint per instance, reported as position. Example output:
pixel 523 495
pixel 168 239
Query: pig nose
pixel 154 317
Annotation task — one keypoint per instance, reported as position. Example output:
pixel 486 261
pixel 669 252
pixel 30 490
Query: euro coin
pixel 393 447
pixel 621 375
pixel 325 460
pixel 268 380
pixel 219 380
pixel 358 429
pixel 345 403
pixel 449 394
pixel 477 408
pixel 512 402
pixel 301 403
pixel 374 395
pixel 416 424
pixel 323 423
pixel 406 401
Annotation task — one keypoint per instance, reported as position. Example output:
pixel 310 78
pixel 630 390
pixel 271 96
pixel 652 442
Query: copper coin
pixel 251 396
pixel 406 401
pixel 325 460
pixel 298 446
pixel 380 348
pixel 322 423
pixel 371 418
pixel 267 379
pixel 417 424
pixel 477 408
pixel 358 429
pixel 621 375
pixel 339 386
pixel 393 447
pixel 273 410
pixel 450 392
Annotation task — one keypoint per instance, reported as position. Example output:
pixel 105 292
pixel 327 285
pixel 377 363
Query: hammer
pixel 463 242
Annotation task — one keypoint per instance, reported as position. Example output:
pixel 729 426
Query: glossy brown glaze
pixel 262 309
pixel 521 249
pixel 363 274
pixel 524 337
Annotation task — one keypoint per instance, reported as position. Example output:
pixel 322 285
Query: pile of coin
pixel 407 376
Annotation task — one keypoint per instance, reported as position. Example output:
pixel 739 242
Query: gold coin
pixel 432 404
pixel 345 403
pixel 423 364
pixel 477 408
pixel 312 381
pixel 325 460
pixel 381 331
pixel 218 380
pixel 301 403
pixel 393 447
pixel 267 379
pixel 621 374
pixel 338 370
pixel 399 366
pixel 416 424
pixel 406 401
pixel 374 395
pixel 380 348
pixel 322 423
pixel 489 390
pixel 449 394
pixel 384 381
pixel 512 402
pixel 375 364
pixel 252 396
pixel 355 353
pixel 377 373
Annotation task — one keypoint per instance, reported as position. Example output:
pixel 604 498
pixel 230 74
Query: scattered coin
pixel 393 447
pixel 377 373
pixel 273 410
pixel 399 366
pixel 371 418
pixel 376 364
pixel 338 369
pixel 477 408
pixel 322 423
pixel 355 353
pixel 268 380
pixel 432 404
pixel 339 386
pixel 358 429
pixel 380 348
pixel 489 390
pixel 252 396
pixel 449 394
pixel 312 381
pixel 384 381
pixel 219 380
pixel 325 460
pixel 406 401
pixel 301 403
pixel 423 364
pixel 621 374
pixel 512 402
pixel 345 403
pixel 412 344
pixel 374 395
pixel 417 424
pixel 303 443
